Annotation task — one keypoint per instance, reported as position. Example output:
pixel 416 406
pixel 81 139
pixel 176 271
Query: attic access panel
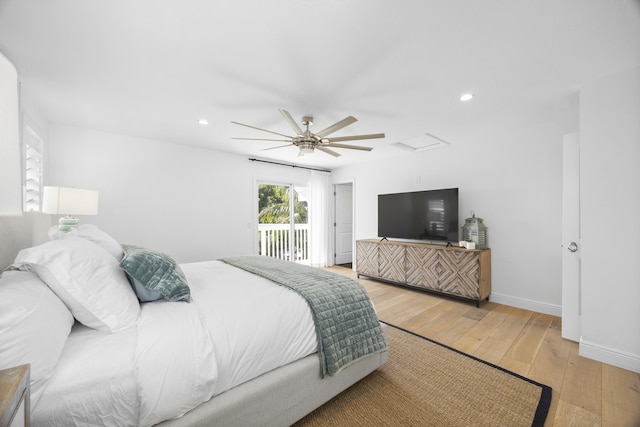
pixel 422 143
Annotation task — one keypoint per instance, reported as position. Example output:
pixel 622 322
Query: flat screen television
pixel 419 215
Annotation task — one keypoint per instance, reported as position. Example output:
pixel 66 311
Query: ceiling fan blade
pixel 351 147
pixel 337 126
pixel 263 139
pixel 263 130
pixel 326 150
pixel 279 146
pixel 354 137
pixel 292 122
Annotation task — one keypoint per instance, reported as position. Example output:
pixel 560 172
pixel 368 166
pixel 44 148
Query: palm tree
pixel 274 202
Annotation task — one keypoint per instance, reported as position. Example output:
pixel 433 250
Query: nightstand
pixel 14 396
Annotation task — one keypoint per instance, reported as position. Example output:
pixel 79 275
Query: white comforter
pixel 237 327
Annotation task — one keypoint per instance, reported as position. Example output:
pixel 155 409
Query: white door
pixel 571 297
pixel 344 223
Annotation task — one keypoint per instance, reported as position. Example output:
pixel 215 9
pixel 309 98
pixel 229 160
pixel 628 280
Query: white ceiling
pixel 152 68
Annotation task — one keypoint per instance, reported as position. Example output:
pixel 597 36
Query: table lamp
pixel 69 201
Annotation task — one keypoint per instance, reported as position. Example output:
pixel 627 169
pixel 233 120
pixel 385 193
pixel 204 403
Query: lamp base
pixel 67 223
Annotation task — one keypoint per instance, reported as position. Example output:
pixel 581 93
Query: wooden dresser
pixel 453 271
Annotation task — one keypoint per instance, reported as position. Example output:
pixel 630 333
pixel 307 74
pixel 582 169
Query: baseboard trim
pixel 527 304
pixel 610 356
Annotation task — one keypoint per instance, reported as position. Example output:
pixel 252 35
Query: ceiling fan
pixel 308 141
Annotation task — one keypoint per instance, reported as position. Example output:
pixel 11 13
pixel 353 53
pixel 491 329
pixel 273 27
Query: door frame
pixel 351 182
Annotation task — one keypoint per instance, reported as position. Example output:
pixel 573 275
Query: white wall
pixel 610 206
pixel 19 232
pixel 10 165
pixel 193 204
pixel 510 178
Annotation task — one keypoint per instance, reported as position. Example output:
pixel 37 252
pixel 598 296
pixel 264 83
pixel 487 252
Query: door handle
pixel 573 246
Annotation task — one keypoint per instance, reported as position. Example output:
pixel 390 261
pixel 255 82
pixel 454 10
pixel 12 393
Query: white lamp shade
pixel 69 201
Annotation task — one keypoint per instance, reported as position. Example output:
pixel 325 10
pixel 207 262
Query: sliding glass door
pixel 283 222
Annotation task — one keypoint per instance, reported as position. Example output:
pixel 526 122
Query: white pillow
pixel 87 279
pixel 34 325
pixel 93 234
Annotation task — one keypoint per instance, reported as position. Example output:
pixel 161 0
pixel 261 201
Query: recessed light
pixel 203 122
pixel 466 97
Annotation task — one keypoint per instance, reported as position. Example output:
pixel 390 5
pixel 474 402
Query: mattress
pixel 236 327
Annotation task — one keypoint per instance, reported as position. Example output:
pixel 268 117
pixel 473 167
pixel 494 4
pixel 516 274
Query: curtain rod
pixel 285 164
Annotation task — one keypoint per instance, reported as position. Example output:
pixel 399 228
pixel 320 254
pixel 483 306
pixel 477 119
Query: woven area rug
pixel 425 383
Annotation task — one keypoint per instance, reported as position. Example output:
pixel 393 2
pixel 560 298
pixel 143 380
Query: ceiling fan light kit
pixel 305 149
pixel 308 141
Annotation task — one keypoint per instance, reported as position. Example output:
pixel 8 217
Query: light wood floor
pixel 585 392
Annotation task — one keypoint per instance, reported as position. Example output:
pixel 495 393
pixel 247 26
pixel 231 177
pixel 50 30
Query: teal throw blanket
pixel 346 324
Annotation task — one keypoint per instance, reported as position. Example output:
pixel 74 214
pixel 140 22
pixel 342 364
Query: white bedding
pixel 237 327
pixel 93 381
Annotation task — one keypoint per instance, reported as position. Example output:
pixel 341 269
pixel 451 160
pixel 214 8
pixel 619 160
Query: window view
pixel 283 226
pixel 32 179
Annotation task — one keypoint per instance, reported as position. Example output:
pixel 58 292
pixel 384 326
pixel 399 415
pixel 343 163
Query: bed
pixel 122 335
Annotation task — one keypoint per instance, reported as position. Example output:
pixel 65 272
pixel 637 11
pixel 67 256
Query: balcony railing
pixel 274 241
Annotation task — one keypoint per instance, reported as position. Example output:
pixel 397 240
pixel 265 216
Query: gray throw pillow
pixel 154 275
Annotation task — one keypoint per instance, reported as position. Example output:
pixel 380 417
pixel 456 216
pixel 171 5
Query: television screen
pixel 419 215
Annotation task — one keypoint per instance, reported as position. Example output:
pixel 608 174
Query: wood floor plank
pixel 550 364
pixel 450 312
pixel 570 415
pixel 620 397
pixel 524 349
pixel 585 392
pixel 553 409
pixel 582 385
pixel 458 328
pixel 408 313
pixel 495 347
pixel 420 323
pixel 402 309
pixel 477 335
pixel 390 304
